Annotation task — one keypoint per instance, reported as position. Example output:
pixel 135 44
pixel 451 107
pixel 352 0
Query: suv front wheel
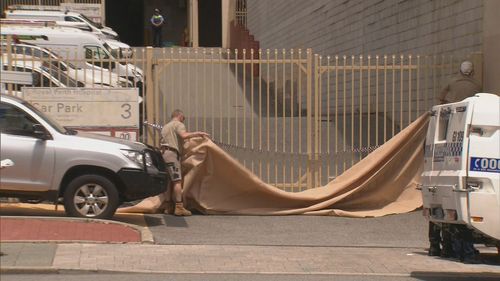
pixel 91 196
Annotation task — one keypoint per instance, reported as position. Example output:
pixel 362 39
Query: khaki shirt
pixel 459 89
pixel 171 135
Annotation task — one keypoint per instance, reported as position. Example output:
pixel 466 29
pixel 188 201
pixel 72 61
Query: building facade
pixel 353 27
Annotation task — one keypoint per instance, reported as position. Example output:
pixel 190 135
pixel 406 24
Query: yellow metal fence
pixel 294 118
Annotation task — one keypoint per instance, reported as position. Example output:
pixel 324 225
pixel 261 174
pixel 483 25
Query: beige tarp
pixel 382 183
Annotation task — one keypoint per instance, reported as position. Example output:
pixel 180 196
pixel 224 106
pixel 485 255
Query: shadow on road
pixel 445 276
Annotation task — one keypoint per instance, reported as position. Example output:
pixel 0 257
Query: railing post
pixel 10 63
pixel 309 123
pixel 317 120
pixel 149 96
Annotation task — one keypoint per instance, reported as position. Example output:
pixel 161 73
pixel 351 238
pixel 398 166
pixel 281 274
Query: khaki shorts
pixel 173 165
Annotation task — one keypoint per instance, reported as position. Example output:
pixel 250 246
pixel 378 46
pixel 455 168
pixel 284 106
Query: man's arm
pixel 444 93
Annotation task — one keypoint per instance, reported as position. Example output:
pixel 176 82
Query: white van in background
pixel 93 78
pixel 116 48
pixel 44 75
pixel 89 51
pixel 62 16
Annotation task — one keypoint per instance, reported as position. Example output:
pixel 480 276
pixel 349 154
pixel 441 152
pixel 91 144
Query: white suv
pixel 91 174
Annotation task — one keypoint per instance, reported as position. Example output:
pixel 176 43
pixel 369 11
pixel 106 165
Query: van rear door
pixel 483 171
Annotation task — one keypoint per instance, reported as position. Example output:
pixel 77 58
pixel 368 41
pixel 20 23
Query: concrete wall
pixel 369 26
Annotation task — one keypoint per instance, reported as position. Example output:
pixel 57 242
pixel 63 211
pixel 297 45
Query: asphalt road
pixel 405 230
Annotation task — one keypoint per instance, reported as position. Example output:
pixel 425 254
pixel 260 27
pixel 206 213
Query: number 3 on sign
pixel 126 108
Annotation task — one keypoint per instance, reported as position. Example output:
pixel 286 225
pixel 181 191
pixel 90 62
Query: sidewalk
pixel 57 244
pixel 147 258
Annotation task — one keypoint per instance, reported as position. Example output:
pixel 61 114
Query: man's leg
pixel 168 204
pixel 447 249
pixel 160 44
pixel 434 239
pixel 153 31
pixel 469 253
pixel 174 171
pixel 177 197
pixel 177 192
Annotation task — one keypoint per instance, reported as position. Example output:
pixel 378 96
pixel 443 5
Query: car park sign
pixel 87 107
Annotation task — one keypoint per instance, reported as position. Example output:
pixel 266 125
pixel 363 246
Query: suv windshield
pixel 95 24
pixel 47 119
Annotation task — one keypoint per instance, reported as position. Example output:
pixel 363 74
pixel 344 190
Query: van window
pixel 15 121
pixel 95 52
pixel 73 19
pixel 95 24
pixel 96 55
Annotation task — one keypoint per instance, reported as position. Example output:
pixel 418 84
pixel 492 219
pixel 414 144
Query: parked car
pixel 91 174
pixel 44 75
pixel 116 48
pixel 26 53
pixel 70 43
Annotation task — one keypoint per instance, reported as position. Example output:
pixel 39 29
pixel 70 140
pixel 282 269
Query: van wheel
pixel 91 196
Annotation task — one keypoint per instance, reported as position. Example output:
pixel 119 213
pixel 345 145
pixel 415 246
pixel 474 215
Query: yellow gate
pixel 295 119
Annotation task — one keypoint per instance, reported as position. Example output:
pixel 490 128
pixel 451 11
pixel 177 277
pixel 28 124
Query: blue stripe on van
pixel 482 164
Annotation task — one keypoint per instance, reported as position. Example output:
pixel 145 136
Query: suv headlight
pixel 148 159
pixel 134 156
pixel 126 52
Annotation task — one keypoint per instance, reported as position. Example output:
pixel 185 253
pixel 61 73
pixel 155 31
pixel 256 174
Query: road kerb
pixel 146 234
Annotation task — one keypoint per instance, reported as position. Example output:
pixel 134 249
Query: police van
pixel 461 178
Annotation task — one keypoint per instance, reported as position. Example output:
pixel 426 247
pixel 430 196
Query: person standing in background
pixel 157 21
pixel 462 86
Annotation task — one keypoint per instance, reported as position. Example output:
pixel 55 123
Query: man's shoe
pixel 180 210
pixel 434 252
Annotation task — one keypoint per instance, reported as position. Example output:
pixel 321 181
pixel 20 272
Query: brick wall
pixel 369 26
pixel 442 28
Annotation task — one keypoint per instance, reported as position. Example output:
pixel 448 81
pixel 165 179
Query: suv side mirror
pixel 40 133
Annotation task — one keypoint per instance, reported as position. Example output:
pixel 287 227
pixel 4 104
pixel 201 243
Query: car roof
pixel 43 12
pixel 48 31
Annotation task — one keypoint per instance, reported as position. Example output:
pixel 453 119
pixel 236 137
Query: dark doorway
pixel 126 17
pixel 210 23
